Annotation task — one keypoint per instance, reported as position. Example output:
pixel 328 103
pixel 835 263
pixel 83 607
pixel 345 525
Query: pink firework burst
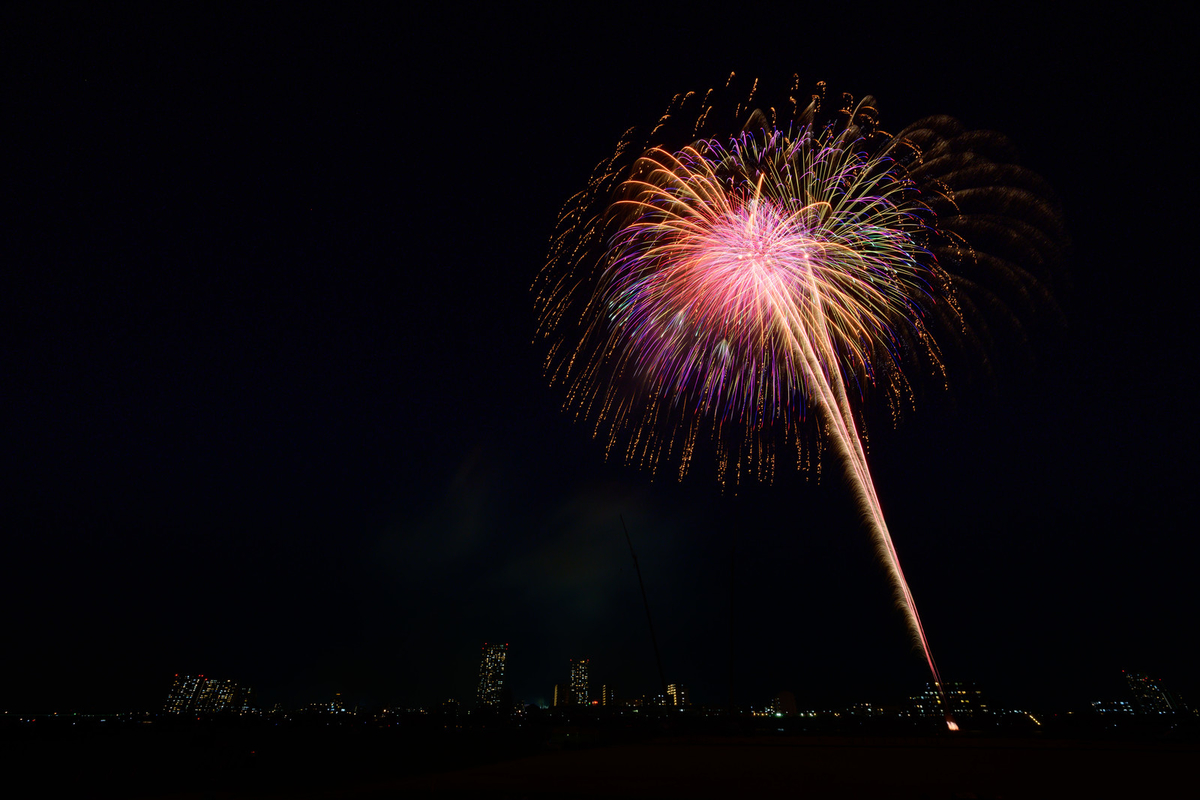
pixel 730 254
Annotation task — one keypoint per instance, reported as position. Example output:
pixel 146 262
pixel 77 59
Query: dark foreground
pixel 203 762
pixel 836 768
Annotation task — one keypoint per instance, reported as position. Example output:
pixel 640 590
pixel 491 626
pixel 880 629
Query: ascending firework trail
pixel 732 283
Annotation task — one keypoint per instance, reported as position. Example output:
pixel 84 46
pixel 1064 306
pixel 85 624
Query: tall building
pixel 579 681
pixel 196 694
pixel 677 695
pixel 491 674
pixel 784 703
pixel 1151 697
pixel 964 698
pixel 608 696
pixel 562 695
pixel 928 703
pixel 183 692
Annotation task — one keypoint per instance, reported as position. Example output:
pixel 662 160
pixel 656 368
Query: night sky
pixel 272 411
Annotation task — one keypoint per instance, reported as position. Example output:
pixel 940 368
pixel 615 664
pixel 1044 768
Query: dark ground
pixel 828 767
pixel 156 760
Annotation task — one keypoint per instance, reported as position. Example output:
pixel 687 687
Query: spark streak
pixel 786 270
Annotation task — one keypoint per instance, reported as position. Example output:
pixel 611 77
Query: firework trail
pixel 746 283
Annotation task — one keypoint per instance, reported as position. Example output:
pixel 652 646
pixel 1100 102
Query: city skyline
pixel 1144 696
pixel 1130 693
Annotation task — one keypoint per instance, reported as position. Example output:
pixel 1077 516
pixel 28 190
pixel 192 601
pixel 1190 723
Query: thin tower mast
pixel 654 639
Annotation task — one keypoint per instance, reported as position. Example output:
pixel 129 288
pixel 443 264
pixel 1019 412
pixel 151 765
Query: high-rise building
pixel 965 700
pixel 677 695
pixel 928 703
pixel 608 696
pixel 183 691
pixel 196 694
pixel 579 681
pixel 784 703
pixel 491 674
pixel 1151 697
pixel 562 695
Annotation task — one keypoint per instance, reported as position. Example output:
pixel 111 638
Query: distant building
pixel 927 704
pixel 196 694
pixel 677 695
pixel 965 701
pixel 335 707
pixel 491 675
pixel 183 694
pixel 1112 707
pixel 784 703
pixel 1151 697
pixel 608 697
pixel 562 695
pixel 579 681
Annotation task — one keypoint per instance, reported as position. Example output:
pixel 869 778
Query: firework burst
pixel 753 286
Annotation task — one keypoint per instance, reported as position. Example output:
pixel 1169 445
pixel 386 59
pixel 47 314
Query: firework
pixel 752 284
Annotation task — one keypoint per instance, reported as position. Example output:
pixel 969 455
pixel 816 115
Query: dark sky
pixel 271 409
